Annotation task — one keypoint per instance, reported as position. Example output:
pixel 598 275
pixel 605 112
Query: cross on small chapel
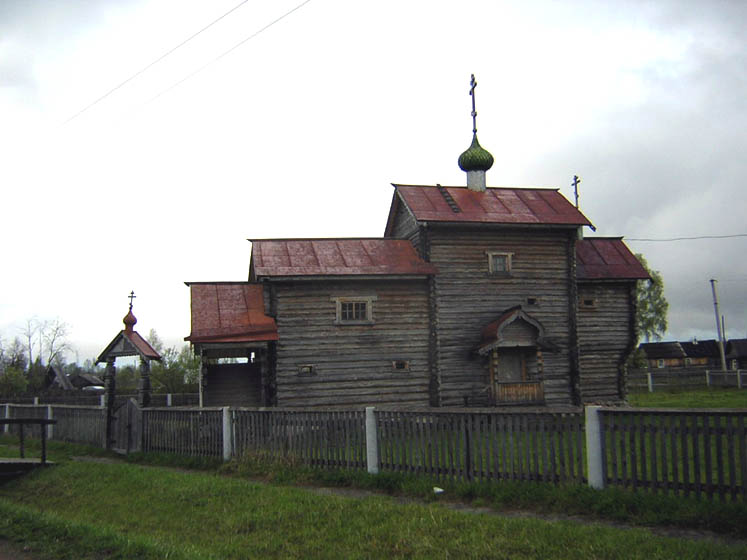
pixel 473 83
pixel 131 296
pixel 575 183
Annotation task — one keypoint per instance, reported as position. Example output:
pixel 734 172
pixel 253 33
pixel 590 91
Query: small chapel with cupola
pixel 474 296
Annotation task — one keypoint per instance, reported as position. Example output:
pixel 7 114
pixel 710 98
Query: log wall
pixel 604 332
pixel 468 298
pixel 352 364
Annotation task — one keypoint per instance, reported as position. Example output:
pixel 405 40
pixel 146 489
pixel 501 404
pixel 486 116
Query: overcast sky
pixel 300 130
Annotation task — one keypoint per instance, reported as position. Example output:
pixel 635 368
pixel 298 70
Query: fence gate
pixel 126 427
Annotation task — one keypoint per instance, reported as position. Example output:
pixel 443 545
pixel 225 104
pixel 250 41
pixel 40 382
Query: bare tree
pixel 55 339
pixel 29 332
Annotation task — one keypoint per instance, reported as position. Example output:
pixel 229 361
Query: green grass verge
pixel 615 504
pixel 705 398
pixel 48 535
pixel 200 515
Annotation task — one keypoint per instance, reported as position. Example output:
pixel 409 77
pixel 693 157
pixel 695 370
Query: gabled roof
pixel 128 343
pixel 56 375
pixel 225 312
pixel 736 348
pixel 336 257
pixel 530 206
pixel 607 258
pixel 662 350
pixel 701 349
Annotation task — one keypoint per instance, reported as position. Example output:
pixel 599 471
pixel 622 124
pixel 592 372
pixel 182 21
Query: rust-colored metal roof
pixel 493 206
pixel 229 312
pixel 607 258
pixel 333 257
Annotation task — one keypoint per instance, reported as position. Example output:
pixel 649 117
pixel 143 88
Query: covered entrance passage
pixel 235 340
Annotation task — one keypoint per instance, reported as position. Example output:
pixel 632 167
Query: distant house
pixel 736 353
pixel 701 353
pixel 663 354
pixel 56 378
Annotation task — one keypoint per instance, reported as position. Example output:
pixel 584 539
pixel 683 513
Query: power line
pixel 156 61
pixel 236 46
pixel 689 238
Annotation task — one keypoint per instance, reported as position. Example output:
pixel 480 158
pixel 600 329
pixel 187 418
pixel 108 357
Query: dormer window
pixel 499 264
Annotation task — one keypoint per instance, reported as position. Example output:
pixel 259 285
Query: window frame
pixel 509 263
pixel 340 300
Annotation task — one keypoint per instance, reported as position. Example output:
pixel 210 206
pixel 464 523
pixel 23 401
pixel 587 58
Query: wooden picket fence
pixel 699 453
pixel 193 431
pixel 333 438
pixel 530 446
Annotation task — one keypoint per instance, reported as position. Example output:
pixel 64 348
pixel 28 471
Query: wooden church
pixel 474 296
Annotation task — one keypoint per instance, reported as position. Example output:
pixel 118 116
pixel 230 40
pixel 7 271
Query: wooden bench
pixel 21 422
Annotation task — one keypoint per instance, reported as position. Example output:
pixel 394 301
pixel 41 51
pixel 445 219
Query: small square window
pixel 306 370
pixel 588 303
pixel 401 365
pixel 533 301
pixel 499 264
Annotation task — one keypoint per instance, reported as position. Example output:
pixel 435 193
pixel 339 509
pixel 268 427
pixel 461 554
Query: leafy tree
pixel 651 305
pixel 13 382
pixel 178 370
pixel 13 355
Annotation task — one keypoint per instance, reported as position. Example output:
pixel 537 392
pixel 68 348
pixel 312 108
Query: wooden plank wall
pixel 233 385
pixel 468 298
pixel 352 363
pixel 406 227
pixel 604 333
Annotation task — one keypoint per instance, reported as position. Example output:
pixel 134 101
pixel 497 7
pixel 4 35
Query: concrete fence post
pixel 6 428
pixel 168 399
pixel 594 458
pixel 227 434
pixel 739 379
pixel 372 441
pixel 36 401
pixel 102 400
pixel 708 378
pixel 650 379
pixel 50 427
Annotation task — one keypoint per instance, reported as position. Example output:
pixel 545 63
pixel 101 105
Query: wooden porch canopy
pixel 515 328
pixel 229 315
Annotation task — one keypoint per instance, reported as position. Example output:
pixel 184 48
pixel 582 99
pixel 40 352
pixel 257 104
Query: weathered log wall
pixel 233 385
pixel 604 332
pixel 352 364
pixel 469 297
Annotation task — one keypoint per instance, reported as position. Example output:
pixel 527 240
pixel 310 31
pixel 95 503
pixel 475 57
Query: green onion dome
pixel 475 158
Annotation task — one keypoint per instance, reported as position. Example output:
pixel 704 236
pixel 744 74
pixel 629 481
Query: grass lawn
pixel 95 510
pixel 704 398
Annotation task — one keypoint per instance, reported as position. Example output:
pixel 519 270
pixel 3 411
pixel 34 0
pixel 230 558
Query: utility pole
pixel 718 326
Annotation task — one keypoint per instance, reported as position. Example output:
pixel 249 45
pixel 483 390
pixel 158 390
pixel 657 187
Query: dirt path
pixel 14 551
